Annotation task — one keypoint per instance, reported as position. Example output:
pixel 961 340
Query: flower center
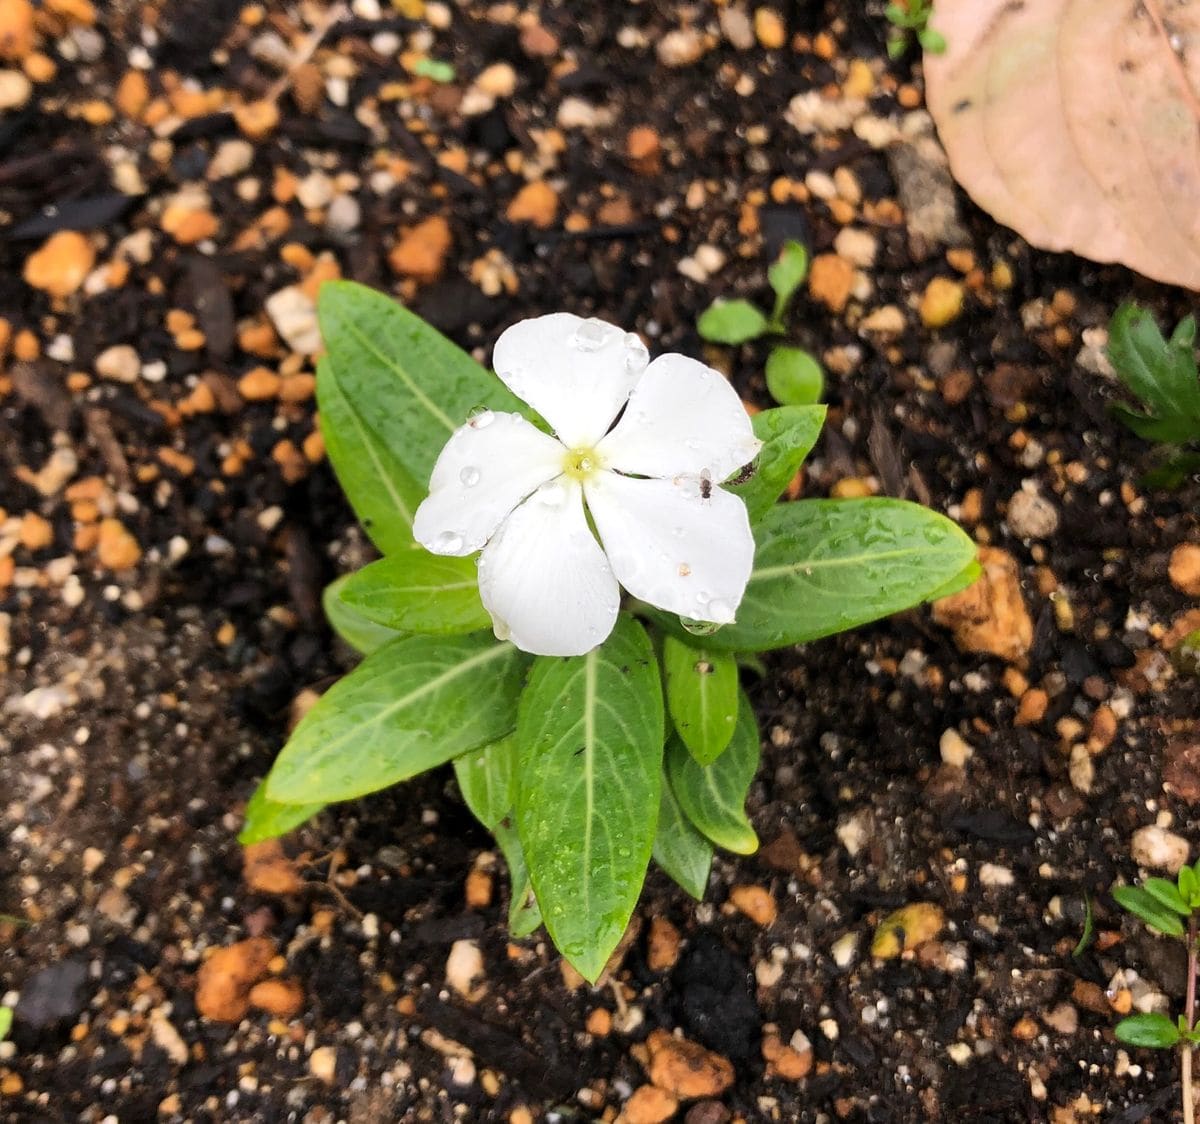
pixel 581 463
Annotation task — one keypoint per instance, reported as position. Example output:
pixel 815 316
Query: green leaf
pixel 785 275
pixel 788 434
pixel 411 705
pixel 412 384
pixel 524 916
pixel 1162 375
pixel 363 635
pixel 589 736
pixel 1148 909
pixel 794 377
pixel 486 779
pixel 419 592
pixel 1152 1029
pixel 825 566
pixel 1089 924
pixel 267 820
pixel 683 852
pixel 1189 886
pixel 731 322
pixel 932 41
pixel 964 579
pixel 435 69
pixel 702 697
pixel 1167 893
pixel 713 797
pixel 383 493
pixel 6 1021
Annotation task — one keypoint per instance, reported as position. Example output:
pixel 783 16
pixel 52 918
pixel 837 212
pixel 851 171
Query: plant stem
pixel 1185 1067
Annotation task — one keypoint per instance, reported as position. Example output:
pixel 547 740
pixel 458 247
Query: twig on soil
pixel 335 15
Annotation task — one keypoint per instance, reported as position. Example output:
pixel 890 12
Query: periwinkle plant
pixel 581 674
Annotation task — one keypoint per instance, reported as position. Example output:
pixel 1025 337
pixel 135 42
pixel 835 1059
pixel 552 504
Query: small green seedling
pixel 911 18
pixel 1162 375
pixel 6 1020
pixel 435 70
pixel 794 377
pixel 1170 909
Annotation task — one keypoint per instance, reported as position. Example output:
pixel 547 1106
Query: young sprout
pixel 912 16
pixel 794 377
pixel 1171 909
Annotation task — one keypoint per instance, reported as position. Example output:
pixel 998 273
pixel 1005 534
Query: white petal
pixel 673 547
pixel 487 467
pixel 576 373
pixel 682 418
pixel 544 578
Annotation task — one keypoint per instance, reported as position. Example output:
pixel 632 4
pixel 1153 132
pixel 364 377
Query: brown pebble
pixel 478 891
pixel 536 203
pixel 256 120
pixel 756 903
pixel 649 1105
pixel 643 150
pixel 662 945
pixel 785 1061
pixel 133 94
pixel 1181 768
pixel 188 225
pixel 1184 569
pixel 599 1022
pixel 266 869
pixel 35 532
pixel 1032 707
pixel 1025 1029
pixel 990 616
pixel 62 263
pixel 421 251
pixel 830 279
pixel 224 980
pixel 116 548
pixel 282 998
pixel 259 384
pixel 17 33
pixel 537 42
pixel 685 1068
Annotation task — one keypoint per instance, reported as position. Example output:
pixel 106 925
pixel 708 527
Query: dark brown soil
pixel 141 705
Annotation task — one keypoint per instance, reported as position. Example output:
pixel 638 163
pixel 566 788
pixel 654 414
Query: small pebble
pixel 1156 848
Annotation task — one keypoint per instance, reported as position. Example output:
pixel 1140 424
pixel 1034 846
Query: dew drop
pixel 698 628
pixel 722 611
pixel 480 418
pixel 500 629
pixel 636 355
pixel 448 542
pixel 590 335
pixel 470 476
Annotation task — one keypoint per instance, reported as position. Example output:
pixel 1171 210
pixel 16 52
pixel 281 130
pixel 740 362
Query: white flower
pixel 668 533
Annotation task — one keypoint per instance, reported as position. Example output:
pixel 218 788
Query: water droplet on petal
pixel 698 628
pixel 500 629
pixel 552 495
pixel 720 611
pixel 470 476
pixel 590 335
pixel 448 542
pixel 636 355
pixel 480 418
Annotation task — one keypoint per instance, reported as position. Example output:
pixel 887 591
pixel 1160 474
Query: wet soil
pixel 143 701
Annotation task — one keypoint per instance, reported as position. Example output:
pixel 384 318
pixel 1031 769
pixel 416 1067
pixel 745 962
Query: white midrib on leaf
pixel 418 693
pixel 589 771
pixel 395 367
pixel 789 568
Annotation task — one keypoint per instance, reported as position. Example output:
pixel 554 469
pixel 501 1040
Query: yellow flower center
pixel 581 463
